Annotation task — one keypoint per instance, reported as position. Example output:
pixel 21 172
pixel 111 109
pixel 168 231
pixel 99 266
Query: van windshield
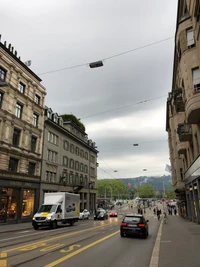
pixel 47 208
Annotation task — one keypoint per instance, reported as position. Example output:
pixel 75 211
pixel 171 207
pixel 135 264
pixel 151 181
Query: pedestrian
pixel 154 211
pixel 175 211
pixel 158 213
pixel 165 216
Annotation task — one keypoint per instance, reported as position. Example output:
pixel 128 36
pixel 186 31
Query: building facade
pixel 69 160
pixel 21 133
pixel 183 110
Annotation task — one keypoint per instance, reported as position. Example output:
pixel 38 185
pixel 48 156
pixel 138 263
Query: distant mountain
pixel 156 182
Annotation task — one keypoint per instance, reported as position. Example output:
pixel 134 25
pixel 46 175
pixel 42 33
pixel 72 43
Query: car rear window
pixel 132 219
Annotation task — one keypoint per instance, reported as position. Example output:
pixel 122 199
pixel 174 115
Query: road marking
pixel 53 238
pixel 3 263
pixel 51 247
pixel 54 263
pixel 155 254
pixel 32 246
pixel 70 248
pixel 23 232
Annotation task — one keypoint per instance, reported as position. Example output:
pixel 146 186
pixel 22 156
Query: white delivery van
pixel 58 208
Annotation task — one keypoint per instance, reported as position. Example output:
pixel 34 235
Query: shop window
pixel 31 168
pixel 33 143
pixel 9 199
pixel 16 137
pixel 13 164
pixel 28 203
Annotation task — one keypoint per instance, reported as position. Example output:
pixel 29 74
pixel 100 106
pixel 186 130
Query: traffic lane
pixel 15 233
pixel 38 253
pixel 9 243
pixel 109 250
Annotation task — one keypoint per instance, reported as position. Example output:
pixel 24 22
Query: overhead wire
pixel 107 58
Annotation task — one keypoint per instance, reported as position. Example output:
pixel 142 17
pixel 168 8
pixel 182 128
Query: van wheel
pixel 71 223
pixel 36 227
pixel 54 225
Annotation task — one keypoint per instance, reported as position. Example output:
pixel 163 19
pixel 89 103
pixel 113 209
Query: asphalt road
pixel 87 243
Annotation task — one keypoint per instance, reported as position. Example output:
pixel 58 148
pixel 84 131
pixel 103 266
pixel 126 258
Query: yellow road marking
pixel 3 263
pixel 32 246
pixel 70 248
pixel 53 238
pixel 54 263
pixel 51 247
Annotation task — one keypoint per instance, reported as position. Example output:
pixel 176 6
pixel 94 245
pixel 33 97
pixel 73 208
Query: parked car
pixel 113 213
pixel 101 215
pixel 134 224
pixel 84 214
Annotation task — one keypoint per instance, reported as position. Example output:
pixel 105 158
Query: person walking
pixel 165 217
pixel 158 213
pixel 175 211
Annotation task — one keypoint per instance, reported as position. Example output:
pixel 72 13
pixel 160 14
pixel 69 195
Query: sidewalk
pixel 15 227
pixel 180 243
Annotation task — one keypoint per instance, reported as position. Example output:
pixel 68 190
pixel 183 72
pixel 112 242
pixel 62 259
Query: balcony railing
pixel 178 100
pixel 184 132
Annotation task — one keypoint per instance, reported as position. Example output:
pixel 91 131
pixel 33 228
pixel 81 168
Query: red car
pixel 113 213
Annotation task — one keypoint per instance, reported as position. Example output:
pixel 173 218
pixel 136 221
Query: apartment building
pixel 21 133
pixel 183 110
pixel 69 160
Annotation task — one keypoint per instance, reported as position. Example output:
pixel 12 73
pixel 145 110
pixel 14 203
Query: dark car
pixel 101 215
pixel 134 224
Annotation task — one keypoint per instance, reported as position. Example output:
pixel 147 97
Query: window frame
pixel 31 168
pixel 3 73
pixel 35 119
pixel 18 110
pixel 37 99
pixel 21 87
pixel 16 137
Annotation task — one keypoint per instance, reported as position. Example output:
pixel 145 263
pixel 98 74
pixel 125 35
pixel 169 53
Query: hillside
pixel 156 182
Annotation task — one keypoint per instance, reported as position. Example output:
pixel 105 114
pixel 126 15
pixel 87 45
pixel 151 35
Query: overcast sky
pixel 64 33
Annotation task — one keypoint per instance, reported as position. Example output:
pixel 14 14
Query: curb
pixel 156 250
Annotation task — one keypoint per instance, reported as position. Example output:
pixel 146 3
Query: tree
pixel 70 117
pixel 146 191
pixel 116 188
pixel 170 193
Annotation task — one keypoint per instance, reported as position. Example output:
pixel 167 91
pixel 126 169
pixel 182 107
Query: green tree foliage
pixel 146 191
pixel 70 117
pixel 170 193
pixel 118 188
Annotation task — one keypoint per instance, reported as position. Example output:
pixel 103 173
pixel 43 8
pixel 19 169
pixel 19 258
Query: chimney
pixel 15 53
pixel 5 43
pixel 9 47
pixel 12 49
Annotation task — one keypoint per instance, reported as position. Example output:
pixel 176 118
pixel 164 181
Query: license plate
pixel 131 225
pixel 39 223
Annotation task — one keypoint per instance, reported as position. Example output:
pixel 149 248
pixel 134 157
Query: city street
pixel 87 243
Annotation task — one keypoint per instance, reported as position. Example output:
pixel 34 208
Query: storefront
pixel 18 201
pixel 192 182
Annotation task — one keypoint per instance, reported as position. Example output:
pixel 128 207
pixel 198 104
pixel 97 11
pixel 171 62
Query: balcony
pixel 184 132
pixel 178 101
pixel 181 148
pixel 193 108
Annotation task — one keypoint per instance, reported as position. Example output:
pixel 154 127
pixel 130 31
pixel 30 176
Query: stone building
pixel 183 110
pixel 21 133
pixel 69 160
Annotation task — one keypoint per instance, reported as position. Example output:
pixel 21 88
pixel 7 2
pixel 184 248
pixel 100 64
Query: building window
pixel 18 111
pixel 35 119
pixel 196 79
pixel 1 98
pixel 70 178
pixel 81 167
pixel 2 74
pixel 82 153
pixel 72 148
pixel 66 145
pixel 92 159
pixel 77 151
pixel 52 138
pixel 86 181
pixel 28 203
pixel 16 137
pixel 86 155
pixel 31 168
pixel 86 169
pixel 190 38
pixel 47 176
pixel 92 171
pixel 21 87
pixel 33 143
pixel 77 180
pixel 54 177
pixel 48 154
pixel 72 163
pixel 77 165
pixel 65 161
pixel 81 179
pixel 13 164
pixel 37 99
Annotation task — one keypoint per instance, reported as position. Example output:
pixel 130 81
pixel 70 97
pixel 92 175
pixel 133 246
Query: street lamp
pixel 3 84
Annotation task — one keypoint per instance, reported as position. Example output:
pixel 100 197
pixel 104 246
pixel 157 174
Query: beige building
pixel 69 160
pixel 21 134
pixel 183 110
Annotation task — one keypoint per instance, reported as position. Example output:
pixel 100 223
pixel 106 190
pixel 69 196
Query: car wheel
pixel 122 235
pixel 71 223
pixel 36 227
pixel 145 235
pixel 87 217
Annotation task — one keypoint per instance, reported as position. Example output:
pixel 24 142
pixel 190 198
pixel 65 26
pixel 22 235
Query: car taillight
pixel 141 224
pixel 123 224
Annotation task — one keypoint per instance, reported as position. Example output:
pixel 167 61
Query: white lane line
pixel 156 250
pixel 23 232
